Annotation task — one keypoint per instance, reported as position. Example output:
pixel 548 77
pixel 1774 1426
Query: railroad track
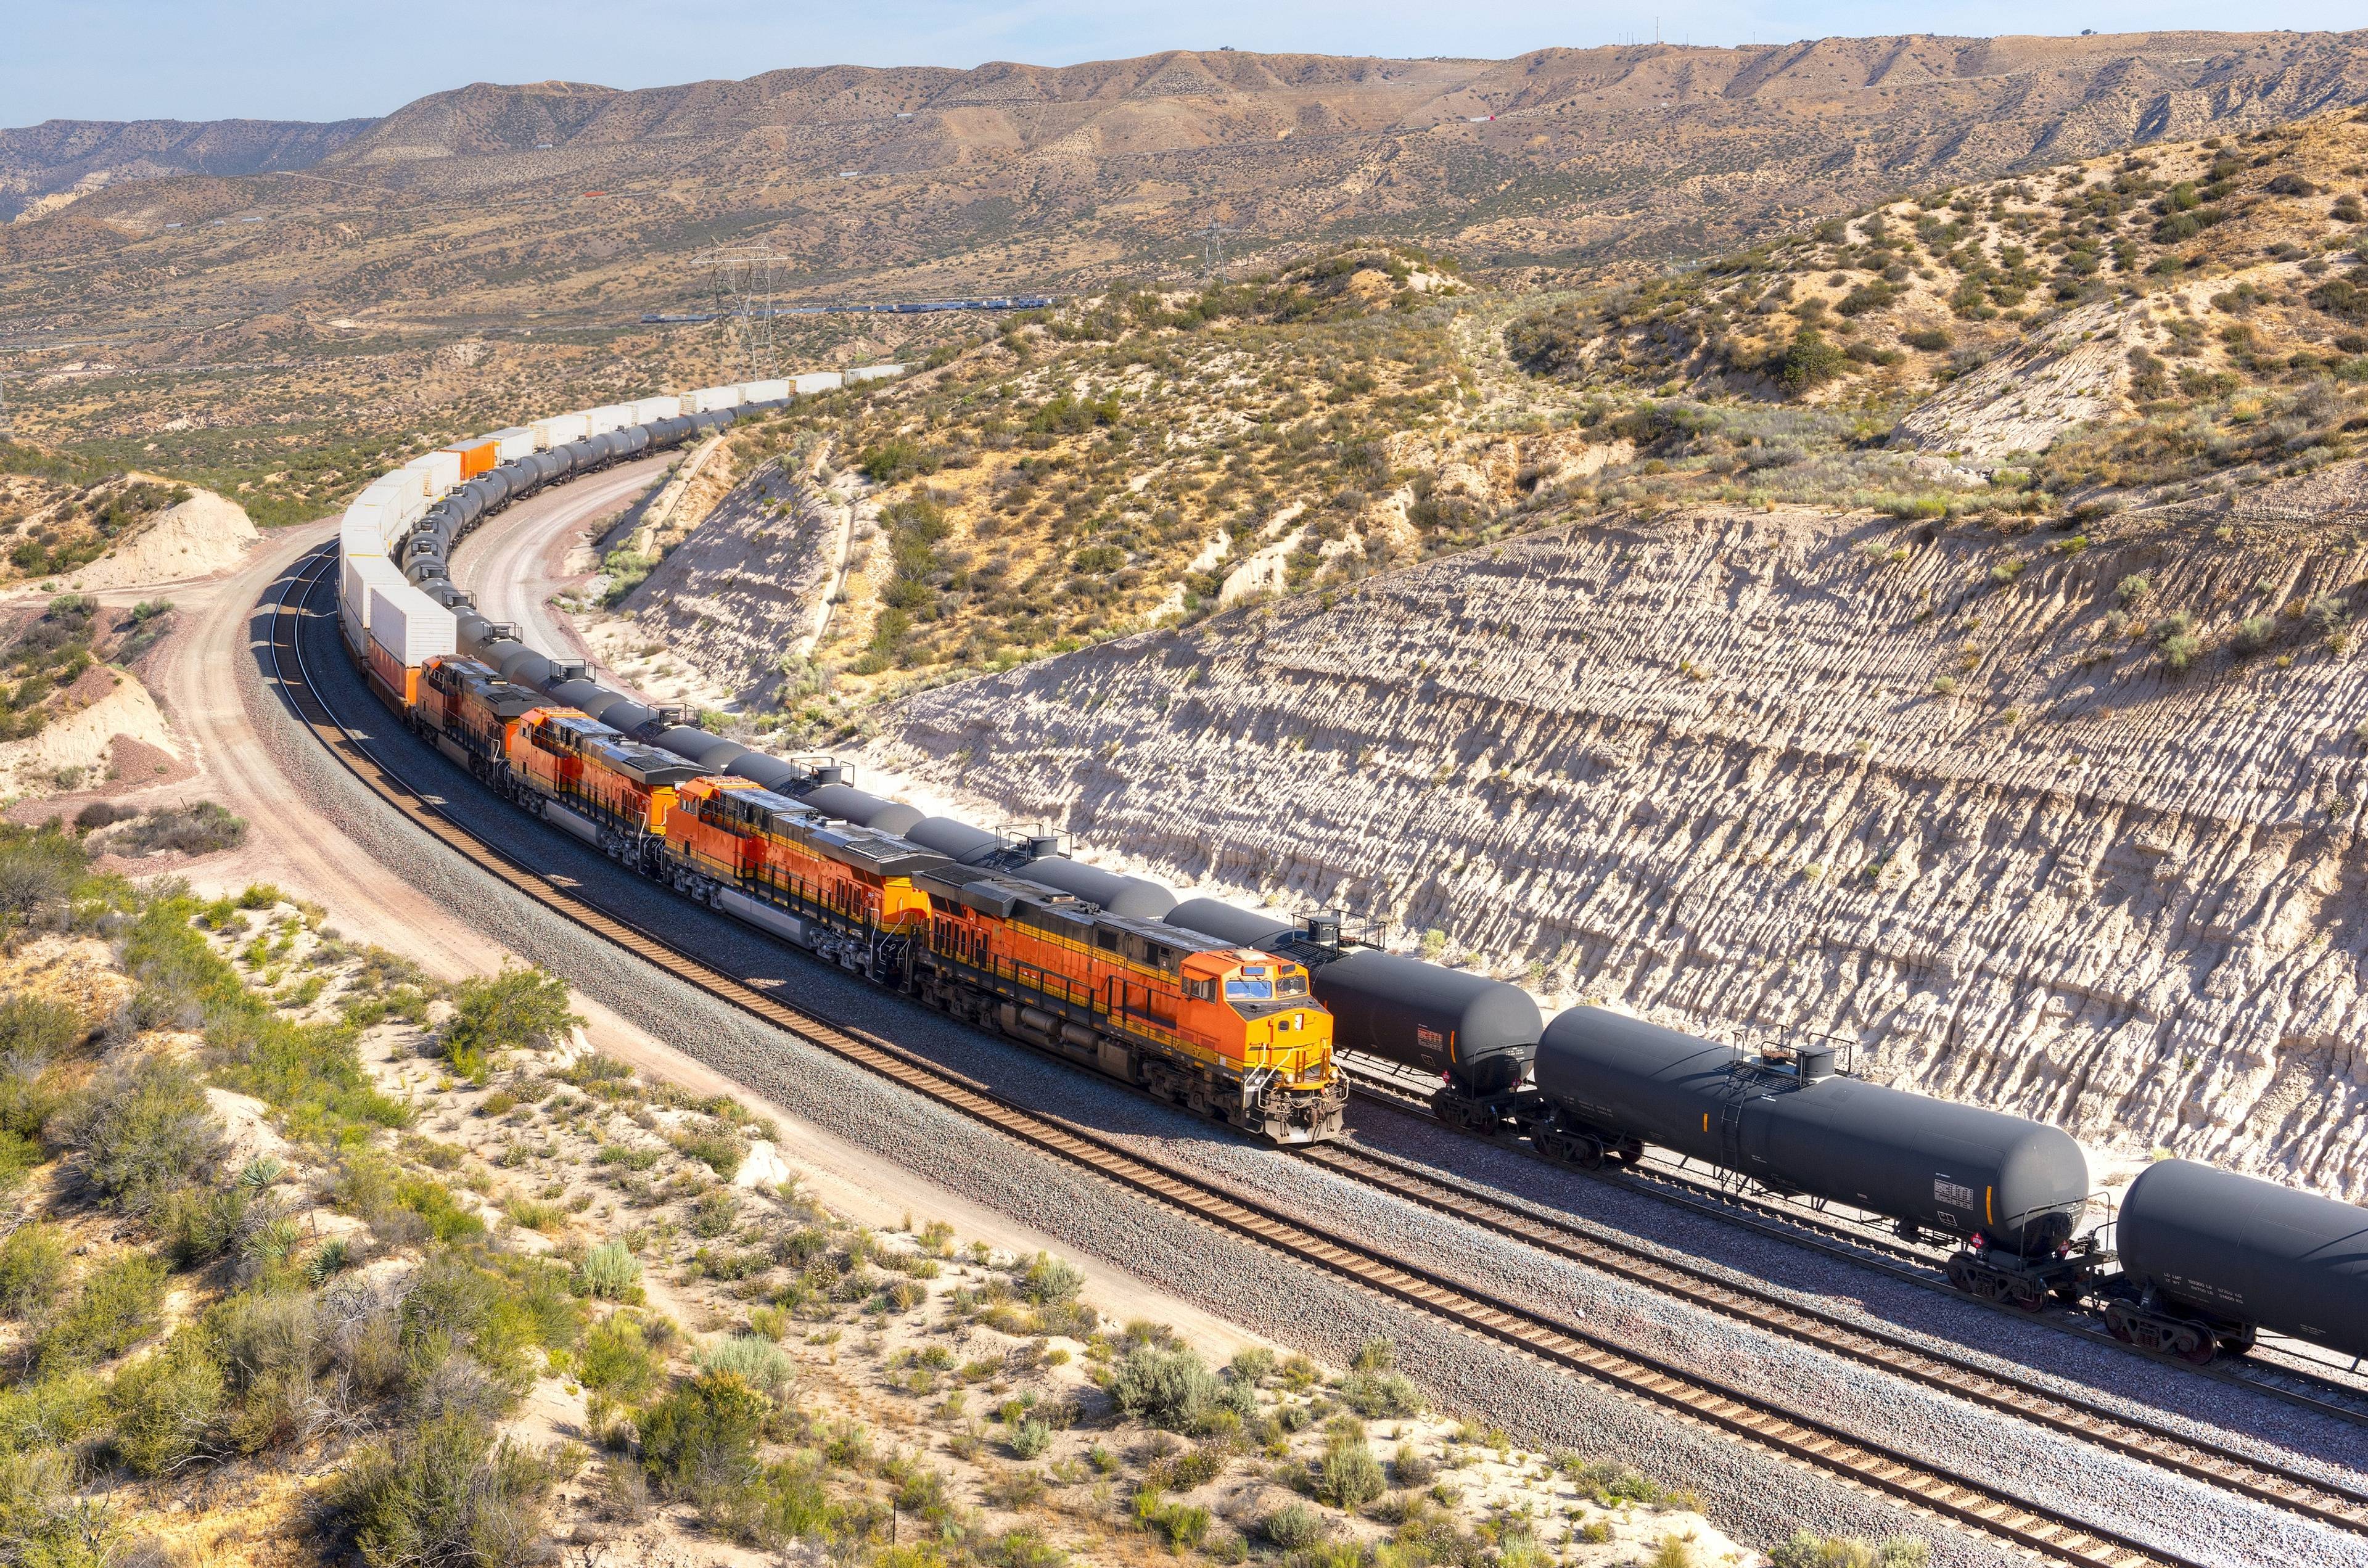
pixel 1863 1244
pixel 2329 1503
pixel 1804 1439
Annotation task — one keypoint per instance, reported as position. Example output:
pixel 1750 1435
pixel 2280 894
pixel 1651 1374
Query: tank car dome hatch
pixel 862 808
pixel 1480 1032
pixel 1957 1170
pixel 2277 1258
pixel 1121 896
pixel 766 772
pixel 955 840
pixel 1250 928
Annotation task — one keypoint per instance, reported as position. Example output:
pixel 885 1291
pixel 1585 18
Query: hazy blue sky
pixel 330 58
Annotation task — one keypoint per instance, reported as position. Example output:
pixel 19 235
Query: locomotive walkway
pixel 1683 1392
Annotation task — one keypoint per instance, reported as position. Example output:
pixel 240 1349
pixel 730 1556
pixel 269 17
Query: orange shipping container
pixel 476 457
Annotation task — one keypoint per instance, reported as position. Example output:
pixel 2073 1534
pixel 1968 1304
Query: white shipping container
pixel 512 444
pixel 650 410
pixel 707 400
pixel 764 391
pixel 358 575
pixel 874 373
pixel 612 416
pixel 408 624
pixel 360 538
pixel 441 471
pixel 560 430
pixel 815 381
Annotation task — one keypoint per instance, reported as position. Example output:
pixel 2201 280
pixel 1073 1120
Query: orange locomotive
pixel 470 711
pixel 1231 1032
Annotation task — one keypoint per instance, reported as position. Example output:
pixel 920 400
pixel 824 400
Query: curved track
pixel 1798 1437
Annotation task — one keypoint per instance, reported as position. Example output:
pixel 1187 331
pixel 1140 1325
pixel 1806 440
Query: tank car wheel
pixel 1552 1145
pixel 2030 1298
pixel 1959 1276
pixel 2197 1348
pixel 1629 1152
pixel 1589 1154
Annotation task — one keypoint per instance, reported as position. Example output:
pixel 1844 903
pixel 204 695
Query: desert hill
pixel 54 162
pixel 280 314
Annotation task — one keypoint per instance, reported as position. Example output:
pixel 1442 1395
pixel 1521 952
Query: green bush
pixel 143 1133
pixel 699 1441
pixel 1050 1279
pixel 498 1014
pixel 37 873
pixel 609 1272
pixel 1295 1527
pixel 114 1308
pixel 32 1269
pixel 616 1360
pixel 1806 1549
pixel 164 1405
pixel 1174 1387
pixel 446 1494
pixel 1349 1476
pixel 755 1361
pixel 1029 1437
pixel 1379 1395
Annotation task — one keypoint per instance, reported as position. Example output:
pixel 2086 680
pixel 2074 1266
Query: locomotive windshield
pixel 1250 984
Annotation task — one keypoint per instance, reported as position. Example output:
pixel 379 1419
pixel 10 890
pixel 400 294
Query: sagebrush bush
pixel 446 1491
pixel 1349 1476
pixel 114 1308
pixel 1295 1526
pixel 1806 1549
pixel 755 1361
pixel 1174 1389
pixel 144 1132
pixel 32 1268
pixel 610 1273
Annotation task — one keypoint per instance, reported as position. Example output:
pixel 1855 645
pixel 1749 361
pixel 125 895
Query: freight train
pixel 1239 1014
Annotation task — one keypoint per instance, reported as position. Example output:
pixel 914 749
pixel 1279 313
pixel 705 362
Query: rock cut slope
pixel 1745 770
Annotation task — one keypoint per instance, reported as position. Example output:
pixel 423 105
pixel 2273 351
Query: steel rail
pixel 1846 1458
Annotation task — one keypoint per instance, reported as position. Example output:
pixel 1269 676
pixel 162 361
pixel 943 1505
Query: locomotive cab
pixel 1257 1009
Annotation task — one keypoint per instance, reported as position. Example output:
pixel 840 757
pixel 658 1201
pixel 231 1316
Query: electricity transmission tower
pixel 1212 251
pixel 746 278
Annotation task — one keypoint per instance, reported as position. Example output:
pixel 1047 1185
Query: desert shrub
pixel 1806 1549
pixel 699 1441
pixel 164 1407
pixel 445 1493
pixel 200 1224
pixel 144 1133
pixel 755 1361
pixel 717 1148
pixel 609 1272
pixel 1295 1527
pixel 103 813
pixel 38 872
pixel 43 1523
pixel 1809 360
pixel 1048 1279
pixel 203 828
pixel 1174 1387
pixel 495 1014
pixel 115 1307
pixel 1378 1395
pixel 615 1360
pixel 1411 1467
pixel 1348 1475
pixel 1030 1437
pixel 32 1268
